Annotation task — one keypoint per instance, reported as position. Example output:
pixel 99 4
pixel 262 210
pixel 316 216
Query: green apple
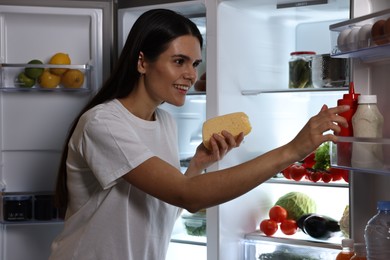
pixel 34 73
pixel 24 81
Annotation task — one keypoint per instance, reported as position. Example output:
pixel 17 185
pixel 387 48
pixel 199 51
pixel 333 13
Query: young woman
pixel 120 179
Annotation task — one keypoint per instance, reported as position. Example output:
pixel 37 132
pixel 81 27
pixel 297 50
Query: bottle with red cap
pixel 344 150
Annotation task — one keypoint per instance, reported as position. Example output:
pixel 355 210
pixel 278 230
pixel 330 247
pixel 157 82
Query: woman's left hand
pixel 220 145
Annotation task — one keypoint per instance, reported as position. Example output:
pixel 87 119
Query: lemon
pixel 59 59
pixel 72 78
pixel 48 79
pixel 34 73
pixel 24 81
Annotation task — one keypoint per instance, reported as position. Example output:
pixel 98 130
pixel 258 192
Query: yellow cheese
pixel 234 123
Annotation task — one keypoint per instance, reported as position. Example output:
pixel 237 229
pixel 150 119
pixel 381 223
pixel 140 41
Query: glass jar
pixel 300 69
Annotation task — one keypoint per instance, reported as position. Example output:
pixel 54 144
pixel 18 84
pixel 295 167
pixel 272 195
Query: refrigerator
pixel 247 50
pixel 35 119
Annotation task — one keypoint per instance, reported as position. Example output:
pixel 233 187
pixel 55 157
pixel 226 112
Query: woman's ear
pixel 141 66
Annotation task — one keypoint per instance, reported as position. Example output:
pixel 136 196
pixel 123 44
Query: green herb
pixel 322 157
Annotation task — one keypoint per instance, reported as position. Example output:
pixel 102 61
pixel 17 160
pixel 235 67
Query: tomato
pixel 286 172
pixel 297 172
pixel 277 214
pixel 337 174
pixel 345 176
pixel 309 161
pixel 289 226
pixel 315 176
pixel 326 177
pixel 268 227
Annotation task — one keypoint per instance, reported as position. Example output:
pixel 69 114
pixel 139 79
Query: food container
pixel 329 72
pixel 300 69
pixel 17 208
pixel 195 224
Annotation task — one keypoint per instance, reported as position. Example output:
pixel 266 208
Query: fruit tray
pixel 45 77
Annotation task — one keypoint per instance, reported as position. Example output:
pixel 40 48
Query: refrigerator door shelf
pixel 343 160
pixel 353 38
pixel 9 77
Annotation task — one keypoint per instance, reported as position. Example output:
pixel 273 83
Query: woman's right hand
pixel 314 133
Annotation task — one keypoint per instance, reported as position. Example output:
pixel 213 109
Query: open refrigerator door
pixel 39 101
pixel 249 51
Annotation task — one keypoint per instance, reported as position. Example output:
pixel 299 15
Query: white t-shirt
pixel 107 218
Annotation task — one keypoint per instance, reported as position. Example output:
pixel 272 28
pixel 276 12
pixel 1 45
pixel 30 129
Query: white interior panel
pixel 23 242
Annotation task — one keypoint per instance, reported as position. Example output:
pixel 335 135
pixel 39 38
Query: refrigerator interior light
pixel 297 3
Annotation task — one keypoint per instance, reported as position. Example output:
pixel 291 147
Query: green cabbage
pixel 297 204
pixel 344 222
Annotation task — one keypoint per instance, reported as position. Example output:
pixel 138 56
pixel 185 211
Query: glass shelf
pixel 258 246
pixel 341 154
pixel 10 82
pixel 254 92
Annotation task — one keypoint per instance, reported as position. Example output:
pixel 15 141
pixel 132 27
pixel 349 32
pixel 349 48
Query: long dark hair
pixel 151 35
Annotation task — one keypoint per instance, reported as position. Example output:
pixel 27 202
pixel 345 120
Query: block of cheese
pixel 235 123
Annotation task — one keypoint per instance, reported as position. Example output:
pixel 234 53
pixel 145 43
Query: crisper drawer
pixel 273 250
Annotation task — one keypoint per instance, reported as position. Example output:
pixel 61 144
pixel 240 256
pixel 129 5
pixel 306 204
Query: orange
pixel 72 78
pixel 48 79
pixel 59 59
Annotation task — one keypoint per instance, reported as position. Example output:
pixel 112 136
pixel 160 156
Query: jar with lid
pixel 367 122
pixel 300 69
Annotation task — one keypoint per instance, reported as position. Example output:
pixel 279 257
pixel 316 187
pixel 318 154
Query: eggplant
pixel 320 227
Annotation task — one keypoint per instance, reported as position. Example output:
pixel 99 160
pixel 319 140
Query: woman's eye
pixel 179 61
pixel 196 64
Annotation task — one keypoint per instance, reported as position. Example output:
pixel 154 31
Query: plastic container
pixel 300 72
pixel 360 252
pixel 377 233
pixel 17 208
pixel 344 150
pixel 347 249
pixel 367 122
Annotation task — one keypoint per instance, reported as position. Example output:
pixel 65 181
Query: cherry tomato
pixel 309 161
pixel 315 176
pixel 326 177
pixel 277 214
pixel 286 172
pixel 345 176
pixel 289 226
pixel 337 174
pixel 268 227
pixel 297 172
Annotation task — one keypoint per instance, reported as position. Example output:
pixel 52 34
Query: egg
pixel 364 36
pixel 342 38
pixel 378 34
pixel 352 39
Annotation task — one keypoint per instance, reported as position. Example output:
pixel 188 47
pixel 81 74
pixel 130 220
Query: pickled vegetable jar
pixel 300 69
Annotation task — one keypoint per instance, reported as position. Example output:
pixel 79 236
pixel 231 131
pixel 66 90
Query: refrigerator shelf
pixel 343 161
pixel 254 92
pixel 9 78
pixel 352 38
pixel 298 239
pixel 282 180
